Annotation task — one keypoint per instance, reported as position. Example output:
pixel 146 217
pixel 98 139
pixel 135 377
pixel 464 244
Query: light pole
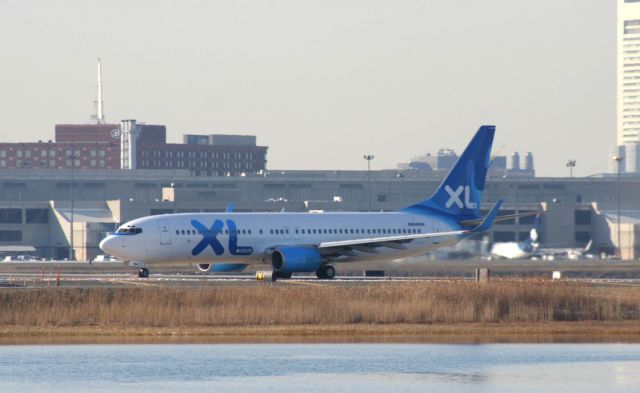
pixel 571 164
pixel 619 159
pixel 73 164
pixel 369 157
pixel 173 191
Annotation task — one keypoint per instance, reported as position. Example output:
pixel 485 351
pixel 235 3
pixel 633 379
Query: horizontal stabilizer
pixel 502 218
pixel 486 224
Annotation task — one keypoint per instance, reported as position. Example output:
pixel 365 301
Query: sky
pixel 324 82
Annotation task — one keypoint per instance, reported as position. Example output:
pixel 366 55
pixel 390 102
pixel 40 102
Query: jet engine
pixel 222 267
pixel 295 260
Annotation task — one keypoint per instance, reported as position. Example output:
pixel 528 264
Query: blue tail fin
pixel 460 193
pixel 529 244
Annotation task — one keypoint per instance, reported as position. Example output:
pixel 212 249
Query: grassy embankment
pixel 420 308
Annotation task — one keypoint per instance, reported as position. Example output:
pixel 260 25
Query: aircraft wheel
pixel 326 272
pixel 143 272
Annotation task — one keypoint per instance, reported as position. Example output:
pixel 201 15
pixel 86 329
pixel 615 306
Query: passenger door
pixel 165 235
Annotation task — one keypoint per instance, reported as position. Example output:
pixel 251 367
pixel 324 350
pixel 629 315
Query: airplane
pixel 518 250
pixel 288 243
pixel 531 248
pixel 552 253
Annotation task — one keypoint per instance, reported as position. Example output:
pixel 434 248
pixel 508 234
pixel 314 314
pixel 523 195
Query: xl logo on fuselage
pixel 455 197
pixel 210 238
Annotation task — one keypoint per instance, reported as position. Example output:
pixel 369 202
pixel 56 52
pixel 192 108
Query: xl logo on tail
pixel 455 197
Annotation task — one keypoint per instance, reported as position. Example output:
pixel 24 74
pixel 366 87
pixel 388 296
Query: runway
pixel 115 274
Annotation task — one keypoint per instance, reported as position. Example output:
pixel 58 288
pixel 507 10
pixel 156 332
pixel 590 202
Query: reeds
pixel 270 305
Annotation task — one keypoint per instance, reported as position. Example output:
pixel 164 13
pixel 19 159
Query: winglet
pixel 486 224
pixel 230 207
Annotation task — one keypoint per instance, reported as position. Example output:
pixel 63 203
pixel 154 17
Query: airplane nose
pixel 108 245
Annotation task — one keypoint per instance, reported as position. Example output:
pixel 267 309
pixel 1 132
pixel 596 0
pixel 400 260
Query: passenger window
pixel 249 231
pixel 260 231
pixel 303 231
pixel 182 231
pixel 351 231
pixel 287 231
pixel 177 232
pixel 368 231
pixel 314 231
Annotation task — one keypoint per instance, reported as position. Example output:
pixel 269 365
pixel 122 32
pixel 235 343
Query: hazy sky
pixel 323 82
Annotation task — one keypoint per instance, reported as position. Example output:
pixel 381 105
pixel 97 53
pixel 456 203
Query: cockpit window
pixel 129 230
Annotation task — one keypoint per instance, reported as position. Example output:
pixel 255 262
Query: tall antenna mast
pixel 99 116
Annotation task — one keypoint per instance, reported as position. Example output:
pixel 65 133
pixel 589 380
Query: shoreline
pixel 462 333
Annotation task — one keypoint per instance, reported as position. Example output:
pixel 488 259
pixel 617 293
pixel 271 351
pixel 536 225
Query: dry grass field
pixel 407 304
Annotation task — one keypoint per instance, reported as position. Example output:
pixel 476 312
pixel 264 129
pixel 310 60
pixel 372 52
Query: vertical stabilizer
pixel 460 193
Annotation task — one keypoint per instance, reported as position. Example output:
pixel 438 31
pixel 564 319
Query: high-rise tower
pixel 628 72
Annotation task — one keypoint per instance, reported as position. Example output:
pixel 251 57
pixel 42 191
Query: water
pixel 321 368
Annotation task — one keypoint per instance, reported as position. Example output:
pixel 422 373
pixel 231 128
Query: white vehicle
pixel 288 243
pixel 104 258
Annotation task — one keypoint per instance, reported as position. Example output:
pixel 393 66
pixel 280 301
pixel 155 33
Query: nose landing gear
pixel 143 272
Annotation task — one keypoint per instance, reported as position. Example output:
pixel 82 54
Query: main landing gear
pixel 326 272
pixel 143 272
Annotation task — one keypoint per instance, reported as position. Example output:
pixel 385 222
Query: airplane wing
pixel 396 241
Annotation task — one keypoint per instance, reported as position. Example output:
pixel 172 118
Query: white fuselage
pixel 174 238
